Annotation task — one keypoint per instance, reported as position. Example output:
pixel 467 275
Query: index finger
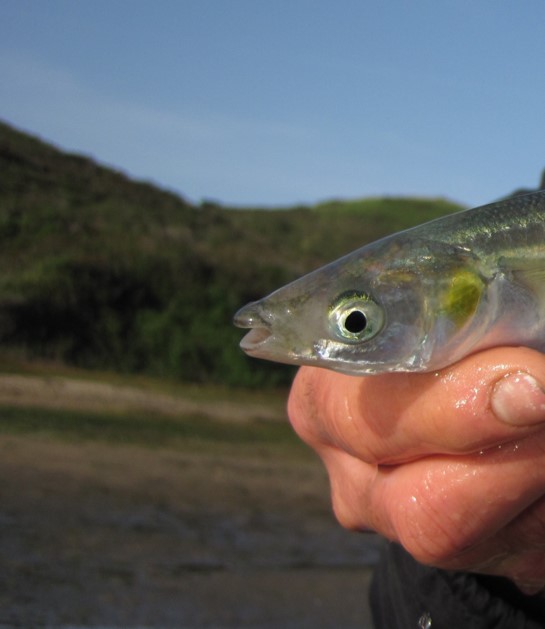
pixel 486 399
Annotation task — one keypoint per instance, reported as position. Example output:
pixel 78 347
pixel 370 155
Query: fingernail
pixel 518 399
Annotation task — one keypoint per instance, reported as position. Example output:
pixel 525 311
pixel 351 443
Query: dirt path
pixel 67 393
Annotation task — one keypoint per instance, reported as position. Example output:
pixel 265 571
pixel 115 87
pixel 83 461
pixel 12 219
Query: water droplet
pixel 424 622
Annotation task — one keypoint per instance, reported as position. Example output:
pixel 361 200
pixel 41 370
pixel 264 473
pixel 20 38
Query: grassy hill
pixel 101 271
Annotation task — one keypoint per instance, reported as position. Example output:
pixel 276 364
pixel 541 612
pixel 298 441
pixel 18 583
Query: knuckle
pixel 429 532
pixel 347 514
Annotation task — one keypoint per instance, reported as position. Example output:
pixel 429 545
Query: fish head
pixel 382 308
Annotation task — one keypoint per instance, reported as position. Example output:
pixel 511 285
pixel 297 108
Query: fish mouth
pixel 249 317
pixel 255 339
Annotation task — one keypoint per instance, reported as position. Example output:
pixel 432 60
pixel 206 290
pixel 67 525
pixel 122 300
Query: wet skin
pixel 450 464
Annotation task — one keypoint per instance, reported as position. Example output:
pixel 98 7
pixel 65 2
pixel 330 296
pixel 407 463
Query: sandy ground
pixel 68 393
pixel 98 535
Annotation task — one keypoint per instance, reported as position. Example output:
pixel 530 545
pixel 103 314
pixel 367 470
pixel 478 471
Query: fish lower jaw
pixel 262 343
pixel 255 340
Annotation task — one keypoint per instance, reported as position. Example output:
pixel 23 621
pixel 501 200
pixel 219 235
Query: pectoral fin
pixel 527 272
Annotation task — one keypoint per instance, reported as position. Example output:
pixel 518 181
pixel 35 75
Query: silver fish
pixel 417 300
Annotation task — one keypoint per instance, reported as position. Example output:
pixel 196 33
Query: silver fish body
pixel 417 300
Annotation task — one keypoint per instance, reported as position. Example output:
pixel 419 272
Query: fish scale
pixel 417 300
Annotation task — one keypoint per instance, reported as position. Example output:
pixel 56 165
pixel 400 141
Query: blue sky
pixel 275 102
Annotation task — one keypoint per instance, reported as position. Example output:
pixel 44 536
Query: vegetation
pixel 184 432
pixel 103 272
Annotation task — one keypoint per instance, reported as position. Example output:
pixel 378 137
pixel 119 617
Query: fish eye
pixel 356 322
pixel 355 317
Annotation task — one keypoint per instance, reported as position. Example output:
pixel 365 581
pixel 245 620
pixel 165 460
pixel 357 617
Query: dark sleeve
pixel 407 595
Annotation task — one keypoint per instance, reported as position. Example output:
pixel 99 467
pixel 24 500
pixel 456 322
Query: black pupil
pixel 356 322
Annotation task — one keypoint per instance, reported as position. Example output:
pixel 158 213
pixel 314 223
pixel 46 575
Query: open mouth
pixel 255 339
pixel 260 332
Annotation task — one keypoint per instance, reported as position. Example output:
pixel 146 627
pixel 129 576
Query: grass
pixel 14 362
pixel 144 430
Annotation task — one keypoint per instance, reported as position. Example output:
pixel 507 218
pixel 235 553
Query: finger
pixel 524 544
pixel 444 509
pixel 485 400
pixel 516 551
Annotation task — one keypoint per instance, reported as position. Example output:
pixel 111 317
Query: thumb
pixel 518 400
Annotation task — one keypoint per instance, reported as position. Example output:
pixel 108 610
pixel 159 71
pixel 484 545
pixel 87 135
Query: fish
pixel 415 301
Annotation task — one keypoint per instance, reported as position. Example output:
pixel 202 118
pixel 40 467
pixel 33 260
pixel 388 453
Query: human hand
pixel 450 464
